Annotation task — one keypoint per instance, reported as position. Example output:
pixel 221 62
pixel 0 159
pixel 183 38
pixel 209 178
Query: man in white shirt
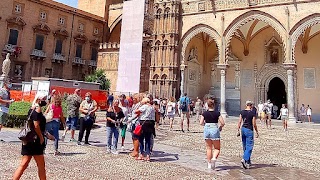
pixel 269 106
pixel 261 114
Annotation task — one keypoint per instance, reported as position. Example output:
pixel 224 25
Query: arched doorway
pixel 277 92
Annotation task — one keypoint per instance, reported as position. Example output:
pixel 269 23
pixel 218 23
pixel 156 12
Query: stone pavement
pixel 177 155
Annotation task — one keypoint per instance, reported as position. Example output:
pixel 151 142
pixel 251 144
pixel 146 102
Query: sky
pixel 73 3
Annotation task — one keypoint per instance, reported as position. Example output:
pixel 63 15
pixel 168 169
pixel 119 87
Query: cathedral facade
pixel 235 50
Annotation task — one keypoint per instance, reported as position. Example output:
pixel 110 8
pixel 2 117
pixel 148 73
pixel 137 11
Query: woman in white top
pixel 284 113
pixel 309 110
pixel 171 110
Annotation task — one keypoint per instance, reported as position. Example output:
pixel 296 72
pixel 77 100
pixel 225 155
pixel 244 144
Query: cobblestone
pixel 177 155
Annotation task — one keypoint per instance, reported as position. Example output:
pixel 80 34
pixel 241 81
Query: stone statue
pixel 6 66
pixel 274 56
pixel 193 54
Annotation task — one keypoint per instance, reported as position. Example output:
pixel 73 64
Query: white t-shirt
pixel 260 108
pixel 284 111
pixel 269 107
pixel 309 112
pixel 171 108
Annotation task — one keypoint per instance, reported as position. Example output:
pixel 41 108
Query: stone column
pixel 182 69
pixel 213 73
pixel 223 68
pixel 290 95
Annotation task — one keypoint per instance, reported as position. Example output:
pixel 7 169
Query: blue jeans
pixel 115 132
pixel 53 128
pixel 247 143
pixel 72 123
pixel 145 143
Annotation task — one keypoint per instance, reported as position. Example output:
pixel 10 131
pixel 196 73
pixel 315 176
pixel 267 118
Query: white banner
pixel 130 46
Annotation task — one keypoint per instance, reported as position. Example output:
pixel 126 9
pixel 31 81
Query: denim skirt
pixel 211 131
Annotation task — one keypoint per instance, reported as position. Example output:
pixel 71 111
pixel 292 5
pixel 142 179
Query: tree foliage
pixel 99 77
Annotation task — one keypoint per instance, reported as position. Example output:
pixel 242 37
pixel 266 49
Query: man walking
pixel 185 110
pixel 248 121
pixel 73 104
pixel 5 102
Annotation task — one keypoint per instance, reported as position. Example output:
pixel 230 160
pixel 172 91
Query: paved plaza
pixel 277 155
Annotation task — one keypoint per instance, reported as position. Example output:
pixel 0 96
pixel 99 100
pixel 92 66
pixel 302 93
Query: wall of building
pixel 31 16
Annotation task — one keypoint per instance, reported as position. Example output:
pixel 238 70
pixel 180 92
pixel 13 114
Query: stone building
pixel 47 38
pixel 233 49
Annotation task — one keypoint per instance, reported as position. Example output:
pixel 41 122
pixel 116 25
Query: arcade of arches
pixel 256 53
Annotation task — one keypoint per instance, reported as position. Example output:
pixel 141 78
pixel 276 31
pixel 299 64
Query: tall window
pixel 58 49
pixel 79 51
pixel 39 42
pixel 94 54
pixel 13 37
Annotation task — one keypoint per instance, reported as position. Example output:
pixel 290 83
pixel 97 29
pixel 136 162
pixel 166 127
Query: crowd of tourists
pixel 139 114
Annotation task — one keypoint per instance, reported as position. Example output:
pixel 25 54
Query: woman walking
pixel 34 149
pixel 213 123
pixel 53 125
pixel 284 112
pixel 248 121
pixel 88 107
pixel 171 111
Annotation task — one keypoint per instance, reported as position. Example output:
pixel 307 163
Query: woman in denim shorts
pixel 213 123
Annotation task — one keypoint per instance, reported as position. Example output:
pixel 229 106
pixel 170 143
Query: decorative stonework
pixel 308 22
pixel 41 28
pixel 62 33
pixel 250 16
pixel 81 38
pixel 16 22
pixel 201 28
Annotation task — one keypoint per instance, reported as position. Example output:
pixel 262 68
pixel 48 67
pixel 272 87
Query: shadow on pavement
pixel 161 156
pixel 253 166
pixel 69 153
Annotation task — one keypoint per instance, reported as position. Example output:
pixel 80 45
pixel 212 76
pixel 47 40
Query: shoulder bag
pixel 27 133
pixel 49 115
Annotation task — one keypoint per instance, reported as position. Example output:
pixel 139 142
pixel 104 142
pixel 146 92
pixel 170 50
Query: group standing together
pixel 141 115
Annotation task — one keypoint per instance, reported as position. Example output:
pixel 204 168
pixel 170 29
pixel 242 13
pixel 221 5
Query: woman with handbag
pixel 88 107
pixel 54 116
pixel 34 148
pixel 210 120
pixel 146 128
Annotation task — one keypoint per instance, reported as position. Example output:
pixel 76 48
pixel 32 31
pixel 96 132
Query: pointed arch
pixel 193 32
pixel 115 23
pixel 250 16
pixel 299 28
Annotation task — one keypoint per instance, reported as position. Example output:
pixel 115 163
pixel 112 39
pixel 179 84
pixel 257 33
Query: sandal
pixel 139 158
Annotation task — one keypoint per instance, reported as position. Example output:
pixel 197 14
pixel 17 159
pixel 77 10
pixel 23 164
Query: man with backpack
pixel 185 110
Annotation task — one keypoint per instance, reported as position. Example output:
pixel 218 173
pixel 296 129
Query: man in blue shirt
pixel 185 110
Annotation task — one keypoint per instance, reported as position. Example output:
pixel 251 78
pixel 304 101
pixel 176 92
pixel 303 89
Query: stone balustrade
pixel 79 61
pixel 93 63
pixel 109 45
pixel 38 53
pixel 59 57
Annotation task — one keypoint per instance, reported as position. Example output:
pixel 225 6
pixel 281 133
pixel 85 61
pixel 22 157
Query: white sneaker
pixel 122 148
pixel 62 138
pixel 132 149
pixel 213 163
pixel 209 165
pixel 115 152
pixel 109 151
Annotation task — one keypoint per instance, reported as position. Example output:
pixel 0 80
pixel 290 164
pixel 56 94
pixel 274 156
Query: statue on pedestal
pixel 6 66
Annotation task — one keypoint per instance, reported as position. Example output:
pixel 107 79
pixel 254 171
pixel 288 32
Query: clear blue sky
pixel 73 3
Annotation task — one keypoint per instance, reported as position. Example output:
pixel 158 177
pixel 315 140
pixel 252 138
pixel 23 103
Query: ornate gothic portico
pixel 234 50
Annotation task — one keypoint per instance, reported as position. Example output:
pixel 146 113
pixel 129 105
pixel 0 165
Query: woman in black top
pixel 248 121
pixel 210 120
pixel 34 149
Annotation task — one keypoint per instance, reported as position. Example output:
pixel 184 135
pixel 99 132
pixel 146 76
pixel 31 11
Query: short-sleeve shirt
pixel 284 111
pixel 211 116
pixel 114 116
pixel 5 95
pixel 260 108
pixel 147 112
pixel 247 117
pixel 88 105
pixel 35 116
pixel 73 104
